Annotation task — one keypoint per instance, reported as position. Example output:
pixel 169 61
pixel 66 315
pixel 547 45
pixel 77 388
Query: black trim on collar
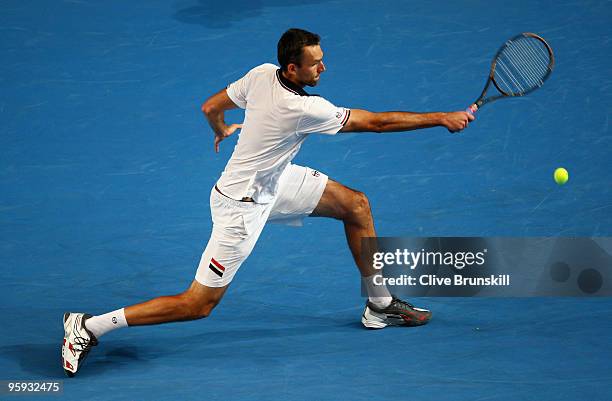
pixel 290 86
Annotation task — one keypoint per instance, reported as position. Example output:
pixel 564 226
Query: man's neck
pixel 290 84
pixel 292 79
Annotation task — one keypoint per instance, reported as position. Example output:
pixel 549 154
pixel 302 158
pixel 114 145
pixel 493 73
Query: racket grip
pixel 472 109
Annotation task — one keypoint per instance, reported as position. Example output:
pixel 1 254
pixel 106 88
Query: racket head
pixel 522 65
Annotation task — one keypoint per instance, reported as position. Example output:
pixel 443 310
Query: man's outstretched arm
pixel 214 109
pixel 367 121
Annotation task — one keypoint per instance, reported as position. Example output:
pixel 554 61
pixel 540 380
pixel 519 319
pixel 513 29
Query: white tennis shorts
pixel 237 225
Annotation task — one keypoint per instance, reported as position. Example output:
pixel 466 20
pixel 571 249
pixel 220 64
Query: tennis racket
pixel 520 66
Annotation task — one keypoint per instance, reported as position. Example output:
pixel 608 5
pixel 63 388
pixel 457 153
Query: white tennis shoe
pixel 77 342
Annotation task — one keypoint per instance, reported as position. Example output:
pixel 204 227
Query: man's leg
pixel 196 302
pixel 81 331
pixel 353 209
pixel 236 228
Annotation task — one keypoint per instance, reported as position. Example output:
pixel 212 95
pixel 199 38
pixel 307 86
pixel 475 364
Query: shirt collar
pixel 290 86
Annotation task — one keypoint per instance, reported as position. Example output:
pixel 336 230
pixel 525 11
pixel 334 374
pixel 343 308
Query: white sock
pixel 102 324
pixel 379 295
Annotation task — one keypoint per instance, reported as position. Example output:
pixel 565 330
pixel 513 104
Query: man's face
pixel 309 72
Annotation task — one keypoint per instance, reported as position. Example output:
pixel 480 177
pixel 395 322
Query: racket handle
pixel 472 109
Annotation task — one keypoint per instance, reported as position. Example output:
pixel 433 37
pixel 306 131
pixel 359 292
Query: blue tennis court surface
pixel 107 164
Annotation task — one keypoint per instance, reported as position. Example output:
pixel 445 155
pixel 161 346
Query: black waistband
pixel 245 199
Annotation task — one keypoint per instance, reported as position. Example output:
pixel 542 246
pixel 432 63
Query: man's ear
pixel 291 68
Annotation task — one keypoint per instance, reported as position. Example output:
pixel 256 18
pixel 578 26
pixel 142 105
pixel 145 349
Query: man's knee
pixel 199 304
pixel 198 308
pixel 343 203
pixel 359 207
pixel 203 310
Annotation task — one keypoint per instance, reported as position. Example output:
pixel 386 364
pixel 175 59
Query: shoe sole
pixel 66 371
pixel 373 320
pixel 371 324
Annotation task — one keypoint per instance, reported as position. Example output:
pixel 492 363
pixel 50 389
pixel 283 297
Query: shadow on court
pixel 224 14
pixel 40 360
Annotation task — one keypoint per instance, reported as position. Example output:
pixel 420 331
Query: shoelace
pixel 402 304
pixel 84 343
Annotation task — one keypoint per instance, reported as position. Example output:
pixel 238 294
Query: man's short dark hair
pixel 291 44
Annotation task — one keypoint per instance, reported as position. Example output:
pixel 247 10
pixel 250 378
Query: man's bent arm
pixel 366 121
pixel 214 109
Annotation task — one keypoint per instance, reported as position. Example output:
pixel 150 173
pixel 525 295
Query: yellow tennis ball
pixel 561 176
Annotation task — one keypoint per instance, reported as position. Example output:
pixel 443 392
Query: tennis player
pixel 260 184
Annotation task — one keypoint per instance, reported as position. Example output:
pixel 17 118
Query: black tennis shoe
pixel 398 313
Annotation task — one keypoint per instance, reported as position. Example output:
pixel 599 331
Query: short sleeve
pixel 322 116
pixel 237 91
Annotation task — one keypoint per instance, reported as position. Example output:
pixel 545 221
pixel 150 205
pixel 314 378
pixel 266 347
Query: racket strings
pixel 525 64
pixel 525 73
pixel 533 58
pixel 522 66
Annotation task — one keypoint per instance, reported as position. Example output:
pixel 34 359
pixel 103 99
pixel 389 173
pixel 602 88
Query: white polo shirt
pixel 279 116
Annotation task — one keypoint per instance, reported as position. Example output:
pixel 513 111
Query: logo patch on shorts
pixel 216 267
pixel 315 173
